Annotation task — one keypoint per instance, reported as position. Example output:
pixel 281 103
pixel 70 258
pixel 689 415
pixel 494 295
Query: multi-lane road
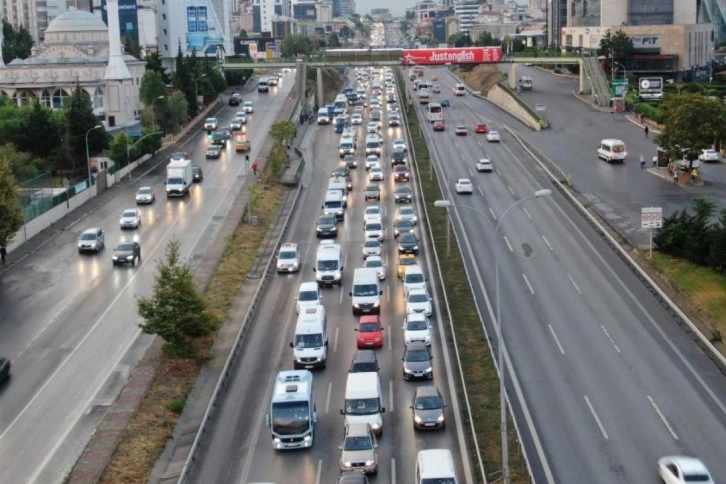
pixel 604 381
pixel 70 321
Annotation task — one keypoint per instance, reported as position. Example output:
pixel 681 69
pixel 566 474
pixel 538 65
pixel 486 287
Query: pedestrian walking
pixel 642 161
pixel 654 163
pixel 646 130
pixel 3 253
pixel 675 176
pixel 694 175
pixel 254 168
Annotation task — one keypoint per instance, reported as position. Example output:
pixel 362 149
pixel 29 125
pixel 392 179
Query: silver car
pixel 375 262
pixel 407 213
pixel 417 362
pixel 145 195
pixel 428 408
pixel 130 219
pixel 359 449
pixel 371 247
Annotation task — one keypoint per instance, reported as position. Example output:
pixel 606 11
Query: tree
pixel 345 32
pixel 700 230
pixel 152 88
pixel 461 39
pixel 283 132
pixel 11 214
pixel 717 249
pixel 131 47
pixel 17 44
pixel 685 132
pixel 23 165
pixel 616 47
pixel 333 41
pixel 176 311
pixel 486 39
pixel 243 34
pixel 40 134
pixel 154 63
pixel 173 113
pixel 293 45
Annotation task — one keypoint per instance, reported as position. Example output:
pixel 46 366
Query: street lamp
pixel 153 116
pixel 612 66
pixel 500 334
pixel 88 159
pixel 196 89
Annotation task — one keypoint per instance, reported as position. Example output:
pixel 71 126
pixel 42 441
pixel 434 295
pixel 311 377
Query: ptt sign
pixel 465 55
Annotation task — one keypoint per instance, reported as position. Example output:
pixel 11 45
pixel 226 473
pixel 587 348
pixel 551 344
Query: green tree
pixel 17 44
pixel 243 34
pixel 345 32
pixel 616 47
pixel 40 134
pixel 685 133
pixel 700 230
pixel 461 39
pixel 173 112
pixel 151 89
pixel 176 310
pixel 717 249
pixel 672 237
pixel 11 215
pixel 117 149
pixel 293 45
pixel 79 120
pixel 154 63
pixel 184 81
pixel 283 132
pixel 131 47
pixel 486 39
pixel 333 41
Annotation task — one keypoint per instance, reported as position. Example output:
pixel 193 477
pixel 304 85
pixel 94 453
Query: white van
pixel 263 85
pixel 328 264
pixel 525 83
pixel 363 401
pixel 373 145
pixel 310 341
pixel 308 294
pixel 435 465
pixel 334 204
pixel 612 150
pixel 339 184
pixel 366 291
pixel 459 89
pixel 323 116
pixel 346 146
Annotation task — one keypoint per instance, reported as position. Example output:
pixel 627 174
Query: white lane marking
pixel 597 419
pixel 335 340
pixel 390 338
pixel 320 470
pixel 390 395
pixel 481 192
pixel 491 211
pixel 461 153
pixel 393 470
pixel 327 399
pixel 572 280
pixel 526 212
pixel 388 293
pixel 548 243
pixel 510 190
pixel 662 417
pixel 557 340
pixel 340 298
pixel 524 276
pixel 511 249
pixel 610 338
pixel 498 172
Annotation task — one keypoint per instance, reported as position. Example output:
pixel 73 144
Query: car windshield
pixel 326 221
pixel 144 191
pixel 365 290
pixel 307 296
pixel 418 298
pixel 428 403
pixel 328 265
pixel 374 263
pixel 417 355
pixel 288 254
pixel 403 190
pixel 372 244
pixel 290 418
pixel 374 227
pixel 89 236
pixel 417 325
pixel 408 239
pixel 369 328
pixel 125 246
pixel 129 214
pixel 414 278
pixel 303 341
pixel 358 443
pixel 403 224
pixel 362 406
pixel 372 188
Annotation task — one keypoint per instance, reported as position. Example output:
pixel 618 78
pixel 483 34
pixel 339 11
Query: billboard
pixel 202 32
pixel 464 55
pixel 127 17
pixel 650 87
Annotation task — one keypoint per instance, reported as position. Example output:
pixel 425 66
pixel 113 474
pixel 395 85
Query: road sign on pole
pixel 651 218
pixel 620 87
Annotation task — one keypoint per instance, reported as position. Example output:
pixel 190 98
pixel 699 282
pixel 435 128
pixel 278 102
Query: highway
pixel 604 381
pixel 239 446
pixel 70 321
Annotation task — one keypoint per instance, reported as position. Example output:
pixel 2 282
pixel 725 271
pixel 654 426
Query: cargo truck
pixel 178 178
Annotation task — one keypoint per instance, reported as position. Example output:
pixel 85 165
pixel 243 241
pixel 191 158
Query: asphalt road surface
pixel 605 382
pixel 70 321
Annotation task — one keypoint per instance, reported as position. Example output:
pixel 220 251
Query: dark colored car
pixel 218 138
pixel 213 151
pixel 127 252
pixel 5 369
pixel 226 132
pixel 398 158
pixel 417 362
pixel 401 174
pixel 350 161
pixel 344 172
pixel 235 99
pixel 403 194
pixel 197 174
pixel 445 103
pixel 364 361
pixel 327 226
pixel 428 408
pixel 407 244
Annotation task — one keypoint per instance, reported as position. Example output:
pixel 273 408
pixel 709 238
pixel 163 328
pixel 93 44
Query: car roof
pixel 689 465
pixel 427 391
pixel 416 345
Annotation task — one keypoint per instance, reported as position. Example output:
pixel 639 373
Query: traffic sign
pixel 651 217
pixel 620 87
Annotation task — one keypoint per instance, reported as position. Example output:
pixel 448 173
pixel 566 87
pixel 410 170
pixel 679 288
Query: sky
pixel 396 7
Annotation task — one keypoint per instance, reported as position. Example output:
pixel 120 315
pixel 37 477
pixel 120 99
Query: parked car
pixel 709 155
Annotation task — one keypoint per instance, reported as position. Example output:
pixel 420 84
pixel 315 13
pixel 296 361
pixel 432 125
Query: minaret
pixel 116 68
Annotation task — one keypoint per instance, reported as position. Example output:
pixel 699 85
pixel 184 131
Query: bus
pixel 341 101
pixel 292 416
pixel 435 112
pixel 423 96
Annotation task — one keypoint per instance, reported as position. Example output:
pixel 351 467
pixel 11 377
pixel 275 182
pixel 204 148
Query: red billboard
pixel 464 55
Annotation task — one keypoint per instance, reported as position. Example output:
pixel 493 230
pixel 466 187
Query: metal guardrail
pixel 554 169
pixel 544 123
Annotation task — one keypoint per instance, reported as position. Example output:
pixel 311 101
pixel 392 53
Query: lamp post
pixel 500 332
pixel 196 89
pixel 131 145
pixel 88 159
pixel 613 64
pixel 153 116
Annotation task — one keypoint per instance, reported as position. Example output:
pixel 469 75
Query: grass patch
pixel 481 380
pixel 145 437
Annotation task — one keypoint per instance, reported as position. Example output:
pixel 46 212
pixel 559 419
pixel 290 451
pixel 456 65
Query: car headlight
pixel 307 438
pixel 415 247
pixel 428 370
pixel 440 419
pixel 356 305
pixel 375 426
pixel 347 464
pixel 417 419
pixel 114 257
pixel 276 440
pixel 370 463
pixel 377 303
pixel 406 370
pixel 130 257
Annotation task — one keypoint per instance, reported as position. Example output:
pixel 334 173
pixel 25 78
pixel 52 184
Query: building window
pixel 59 98
pixel 45 98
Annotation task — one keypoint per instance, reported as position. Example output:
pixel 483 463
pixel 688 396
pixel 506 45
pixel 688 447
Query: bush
pixel 650 111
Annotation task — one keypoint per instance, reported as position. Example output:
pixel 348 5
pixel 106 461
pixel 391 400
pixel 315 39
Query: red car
pixel 481 128
pixel 439 126
pixel 370 332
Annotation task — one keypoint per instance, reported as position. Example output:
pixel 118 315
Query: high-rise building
pixel 201 26
pixel 556 20
pixel 466 11
pixel 264 11
pixel 598 13
pixel 713 11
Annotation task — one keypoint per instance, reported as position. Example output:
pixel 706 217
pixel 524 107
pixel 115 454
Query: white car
pixel 375 262
pixel 372 213
pixel 413 278
pixel 418 301
pixel 249 107
pixel 709 155
pixel 236 124
pixel 372 160
pixel 130 219
pixel 358 110
pixel 374 230
pixel 399 145
pixel 493 136
pixel 678 469
pixel 288 259
pixel 372 127
pixel 145 195
pixel 371 247
pixel 407 212
pixel 210 124
pixel 463 185
pixel 416 328
pixel 484 164
pixel 308 295
pixel 376 174
pixel 356 119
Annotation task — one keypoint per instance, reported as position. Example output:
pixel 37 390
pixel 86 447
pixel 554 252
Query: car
pixel 376 174
pixel 242 144
pixel 130 219
pixel 413 278
pixel 364 361
pixel 179 155
pixel 398 157
pixel 371 247
pixel 358 110
pixel 418 301
pixel 213 151
pixel 401 173
pixel 241 117
pixel 91 240
pixel 236 124
pixel 370 332
pixel 461 130
pixel 481 128
pixel 126 252
pixel 4 369
pixel 407 212
pixel 226 132
pixel 399 145
pixel 372 191
pixel 463 185
pixel 327 226
pixel 372 127
pixel 402 226
pixel 235 99
pixel 308 295
pixel 218 138
pixel 434 77
pixel 428 408
pixel 352 478
pixel 145 195
pixel 359 449
pixel 416 327
pixel 408 244
pixel 341 170
pixel 417 362
pixel 375 262
pixel 493 136
pixel 484 164
pixel 370 160
pixel 210 124
pixel 197 174
pixel 273 80
pixel 403 194
pixel 374 229
pixel 371 213
pixel 248 107
pixel 288 258
pixel 356 119
pixel 350 161
pixel 394 121
pixel 709 155
pixel 679 469
pixel 436 89
pixel 439 126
